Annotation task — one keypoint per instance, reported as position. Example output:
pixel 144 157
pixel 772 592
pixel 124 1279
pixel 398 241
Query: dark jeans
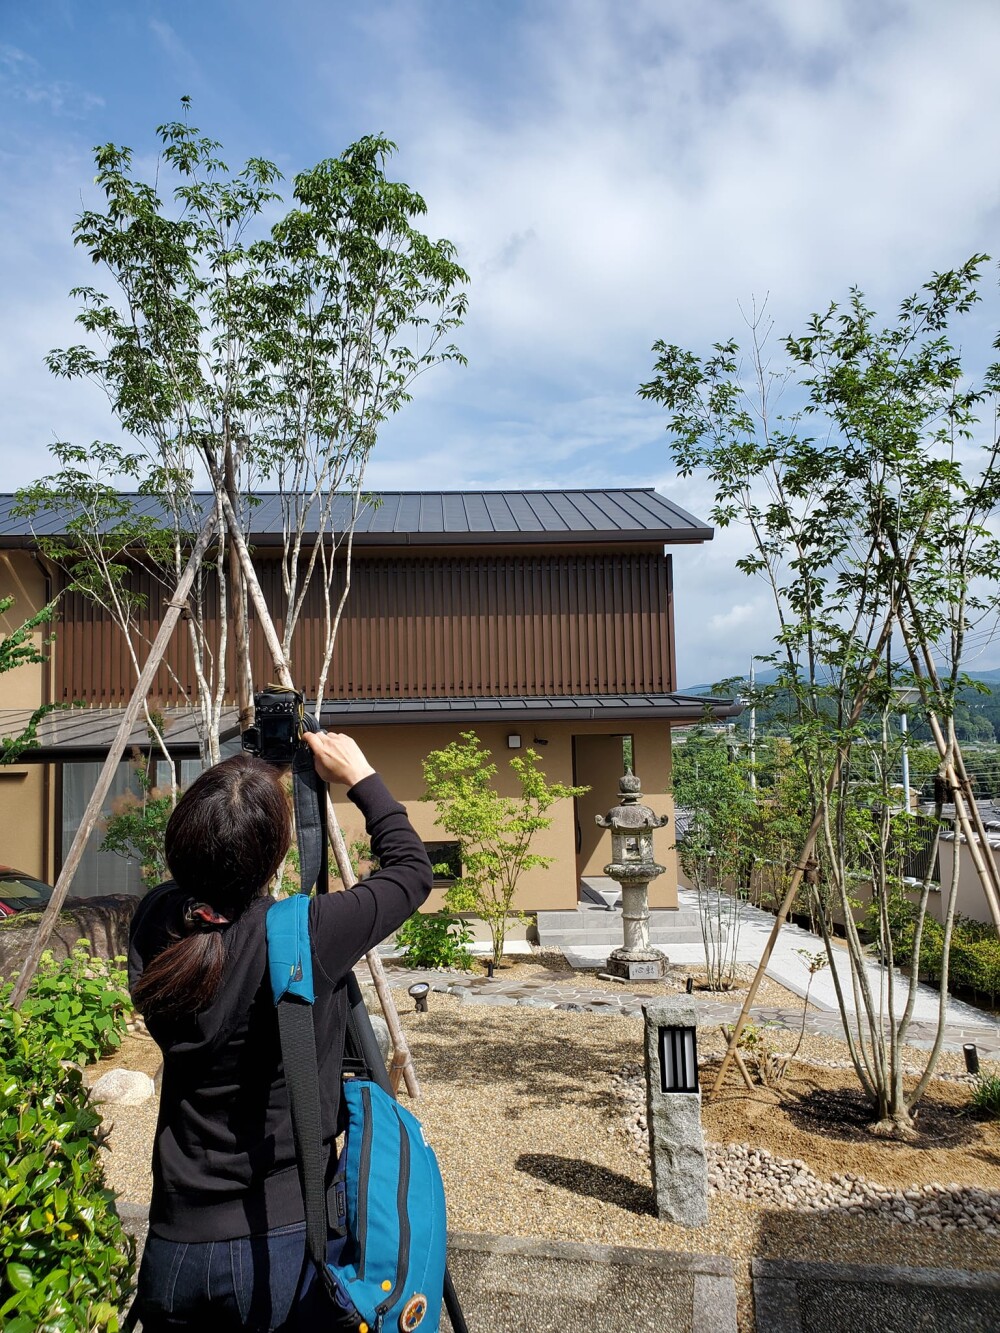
pixel 258 1283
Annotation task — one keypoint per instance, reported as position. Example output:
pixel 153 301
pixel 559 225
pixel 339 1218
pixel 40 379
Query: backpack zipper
pixel 403 1257
pixel 363 1170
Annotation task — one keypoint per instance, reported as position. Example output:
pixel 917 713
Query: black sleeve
pixel 345 925
pixel 149 931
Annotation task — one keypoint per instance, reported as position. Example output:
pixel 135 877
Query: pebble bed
pixel 757 1176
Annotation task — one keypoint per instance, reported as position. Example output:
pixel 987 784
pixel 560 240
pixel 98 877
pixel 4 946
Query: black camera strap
pixel 298 1042
pixel 309 799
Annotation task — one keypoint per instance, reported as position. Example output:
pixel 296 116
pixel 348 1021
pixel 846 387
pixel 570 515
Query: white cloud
pixel 22 77
pixel 612 174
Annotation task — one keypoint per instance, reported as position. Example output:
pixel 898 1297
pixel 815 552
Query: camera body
pixel 278 725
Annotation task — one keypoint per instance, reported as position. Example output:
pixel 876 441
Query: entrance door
pixel 597 764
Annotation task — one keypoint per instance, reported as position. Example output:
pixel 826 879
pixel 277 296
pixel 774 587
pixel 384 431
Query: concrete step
pixel 661 939
pixel 587 916
pixel 557 924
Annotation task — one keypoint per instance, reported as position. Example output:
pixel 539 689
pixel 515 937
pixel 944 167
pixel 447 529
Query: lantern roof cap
pixel 630 813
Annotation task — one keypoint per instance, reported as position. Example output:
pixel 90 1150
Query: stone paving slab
pixel 794 1297
pixel 576 998
pixel 508 1284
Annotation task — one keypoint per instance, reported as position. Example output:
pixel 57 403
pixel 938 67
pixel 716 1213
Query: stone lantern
pixel 632 865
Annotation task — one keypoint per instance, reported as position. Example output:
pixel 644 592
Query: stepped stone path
pixel 578 997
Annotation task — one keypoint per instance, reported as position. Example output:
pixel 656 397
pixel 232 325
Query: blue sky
pixel 611 174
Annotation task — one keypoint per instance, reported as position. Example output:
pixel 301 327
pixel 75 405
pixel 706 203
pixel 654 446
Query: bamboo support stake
pixel 772 940
pixel 800 869
pixel 402 1060
pixel 740 1062
pixel 97 798
pixel 969 819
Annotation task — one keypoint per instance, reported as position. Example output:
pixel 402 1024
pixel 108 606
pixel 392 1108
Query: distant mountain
pixel 769 675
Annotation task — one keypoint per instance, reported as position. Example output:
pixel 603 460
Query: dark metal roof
pixel 86 733
pixel 673 708
pixel 447 518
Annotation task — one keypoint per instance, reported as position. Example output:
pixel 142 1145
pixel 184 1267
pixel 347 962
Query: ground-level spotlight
pixel 689 985
pixel 419 991
pixel 971 1058
pixel 489 967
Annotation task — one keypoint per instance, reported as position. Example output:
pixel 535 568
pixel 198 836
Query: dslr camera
pixel 278 725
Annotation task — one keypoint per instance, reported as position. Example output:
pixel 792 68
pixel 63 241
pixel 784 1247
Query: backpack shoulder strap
pixel 289 950
pixel 290 967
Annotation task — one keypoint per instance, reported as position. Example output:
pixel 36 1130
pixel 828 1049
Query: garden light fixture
pixel 673 1111
pixel 678 1059
pixel 419 991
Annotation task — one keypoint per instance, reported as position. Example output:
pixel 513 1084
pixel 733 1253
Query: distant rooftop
pixel 429 518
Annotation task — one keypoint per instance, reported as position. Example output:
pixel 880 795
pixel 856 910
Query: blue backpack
pixel 390 1198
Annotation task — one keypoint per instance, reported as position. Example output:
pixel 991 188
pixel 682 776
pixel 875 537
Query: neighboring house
pixel 970 898
pixel 538 618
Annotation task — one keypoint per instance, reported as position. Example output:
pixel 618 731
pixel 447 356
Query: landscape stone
pixel 124 1087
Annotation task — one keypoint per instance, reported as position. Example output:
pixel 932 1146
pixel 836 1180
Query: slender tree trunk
pixel 402 1062
pixel 96 803
pixel 238 599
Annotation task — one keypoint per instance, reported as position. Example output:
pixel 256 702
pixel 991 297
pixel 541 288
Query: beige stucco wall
pixel 23 787
pixel 971 901
pixel 397 752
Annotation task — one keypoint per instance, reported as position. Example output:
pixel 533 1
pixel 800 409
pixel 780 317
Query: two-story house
pixel 536 618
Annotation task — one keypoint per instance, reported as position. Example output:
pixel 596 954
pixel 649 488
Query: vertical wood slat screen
pixel 423 627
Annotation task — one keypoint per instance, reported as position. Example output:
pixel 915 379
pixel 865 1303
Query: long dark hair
pixel 224 842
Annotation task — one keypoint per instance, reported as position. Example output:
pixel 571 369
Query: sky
pixel 611 174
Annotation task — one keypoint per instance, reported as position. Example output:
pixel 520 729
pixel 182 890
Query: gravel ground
pixel 522 1109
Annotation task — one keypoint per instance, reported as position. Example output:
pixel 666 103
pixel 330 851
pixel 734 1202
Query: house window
pixel 446 860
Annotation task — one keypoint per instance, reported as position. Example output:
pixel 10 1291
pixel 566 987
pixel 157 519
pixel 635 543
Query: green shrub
pixel 986 1096
pixel 434 939
pixel 66 1263
pixel 975 949
pixel 78 1007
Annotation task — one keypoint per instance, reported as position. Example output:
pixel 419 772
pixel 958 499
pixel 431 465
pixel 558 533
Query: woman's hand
pixel 337 757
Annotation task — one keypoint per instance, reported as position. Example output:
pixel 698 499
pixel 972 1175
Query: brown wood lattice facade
pixel 425 627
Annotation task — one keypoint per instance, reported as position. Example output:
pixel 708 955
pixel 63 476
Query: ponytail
pixel 224 842
pixel 184 978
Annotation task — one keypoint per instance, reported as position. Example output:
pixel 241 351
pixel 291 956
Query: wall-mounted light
pixel 678 1060
pixel 419 991
pixel 539 741
pixel 513 741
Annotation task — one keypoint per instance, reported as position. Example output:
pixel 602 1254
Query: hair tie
pixel 203 917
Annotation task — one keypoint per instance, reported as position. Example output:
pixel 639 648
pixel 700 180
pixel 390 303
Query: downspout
pixel 48 852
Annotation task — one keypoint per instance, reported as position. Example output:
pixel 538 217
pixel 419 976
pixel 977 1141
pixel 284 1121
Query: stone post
pixel 673 1119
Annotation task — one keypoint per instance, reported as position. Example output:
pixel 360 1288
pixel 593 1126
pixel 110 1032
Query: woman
pixel 226 1247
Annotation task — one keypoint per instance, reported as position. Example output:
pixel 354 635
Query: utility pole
pixel 753 732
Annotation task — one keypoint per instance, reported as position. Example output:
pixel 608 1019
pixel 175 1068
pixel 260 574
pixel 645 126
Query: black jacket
pixel 223 1156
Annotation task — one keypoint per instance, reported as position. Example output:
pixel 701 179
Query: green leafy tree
pixel 494 832
pixel 102 543
pixel 137 825
pixel 712 779
pixel 18 649
pixel 867 513
pixel 260 353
